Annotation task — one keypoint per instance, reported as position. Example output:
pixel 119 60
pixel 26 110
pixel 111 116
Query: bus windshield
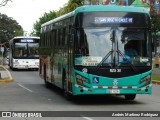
pixel 26 50
pixel 120 46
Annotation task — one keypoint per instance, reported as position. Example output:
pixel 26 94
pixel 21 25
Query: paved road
pixel 28 93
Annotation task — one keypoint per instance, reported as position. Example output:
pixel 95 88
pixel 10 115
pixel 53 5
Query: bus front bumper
pixel 26 66
pixel 121 90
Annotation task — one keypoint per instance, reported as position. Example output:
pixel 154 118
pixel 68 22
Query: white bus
pixel 24 53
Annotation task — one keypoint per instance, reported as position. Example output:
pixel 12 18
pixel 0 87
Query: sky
pixel 27 12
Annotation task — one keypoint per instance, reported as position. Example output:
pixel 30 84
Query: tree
pixel 72 5
pixel 9 28
pixel 45 18
pixel 155 28
pixel 155 21
pixel 4 2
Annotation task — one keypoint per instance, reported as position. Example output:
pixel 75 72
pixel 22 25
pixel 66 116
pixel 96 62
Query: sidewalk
pixel 5 75
pixel 156 71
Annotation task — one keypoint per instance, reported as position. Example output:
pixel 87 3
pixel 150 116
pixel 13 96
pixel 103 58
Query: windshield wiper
pixel 112 38
pixel 105 58
pixel 121 54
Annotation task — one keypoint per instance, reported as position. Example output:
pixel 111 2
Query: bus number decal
pixel 115 70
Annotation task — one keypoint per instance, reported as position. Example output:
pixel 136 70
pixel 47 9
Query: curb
pixel 10 79
pixel 156 82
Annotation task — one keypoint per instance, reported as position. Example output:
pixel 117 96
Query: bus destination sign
pixel 99 20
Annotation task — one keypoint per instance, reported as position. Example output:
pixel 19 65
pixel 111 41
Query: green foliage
pixel 9 28
pixel 45 18
pixel 155 21
pixel 72 5
pixel 156 77
pixel 44 51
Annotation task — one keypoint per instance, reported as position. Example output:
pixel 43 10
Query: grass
pixel 156 77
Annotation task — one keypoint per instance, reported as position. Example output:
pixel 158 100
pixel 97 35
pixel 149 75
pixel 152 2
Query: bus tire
pixel 63 80
pixel 10 67
pixel 68 95
pixel 130 96
pixel 47 84
pixel 14 69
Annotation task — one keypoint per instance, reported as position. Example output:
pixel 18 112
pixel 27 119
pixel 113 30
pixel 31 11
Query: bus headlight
pixel 16 62
pixel 80 79
pixel 146 79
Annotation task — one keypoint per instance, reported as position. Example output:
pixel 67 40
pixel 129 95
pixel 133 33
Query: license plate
pixel 115 91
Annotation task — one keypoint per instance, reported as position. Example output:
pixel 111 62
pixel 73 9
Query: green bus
pixel 84 52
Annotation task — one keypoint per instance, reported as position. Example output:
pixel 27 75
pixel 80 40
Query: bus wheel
pixel 68 95
pixel 10 67
pixel 47 84
pixel 130 96
pixel 63 80
pixel 14 69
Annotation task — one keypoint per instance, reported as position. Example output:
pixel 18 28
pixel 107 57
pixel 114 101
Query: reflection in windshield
pixel 128 46
pixel 26 50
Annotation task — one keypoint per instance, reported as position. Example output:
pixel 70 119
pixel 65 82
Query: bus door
pixel 70 62
pixel 52 59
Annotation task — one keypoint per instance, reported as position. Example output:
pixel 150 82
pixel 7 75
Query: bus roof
pixel 115 8
pixel 98 8
pixel 59 18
